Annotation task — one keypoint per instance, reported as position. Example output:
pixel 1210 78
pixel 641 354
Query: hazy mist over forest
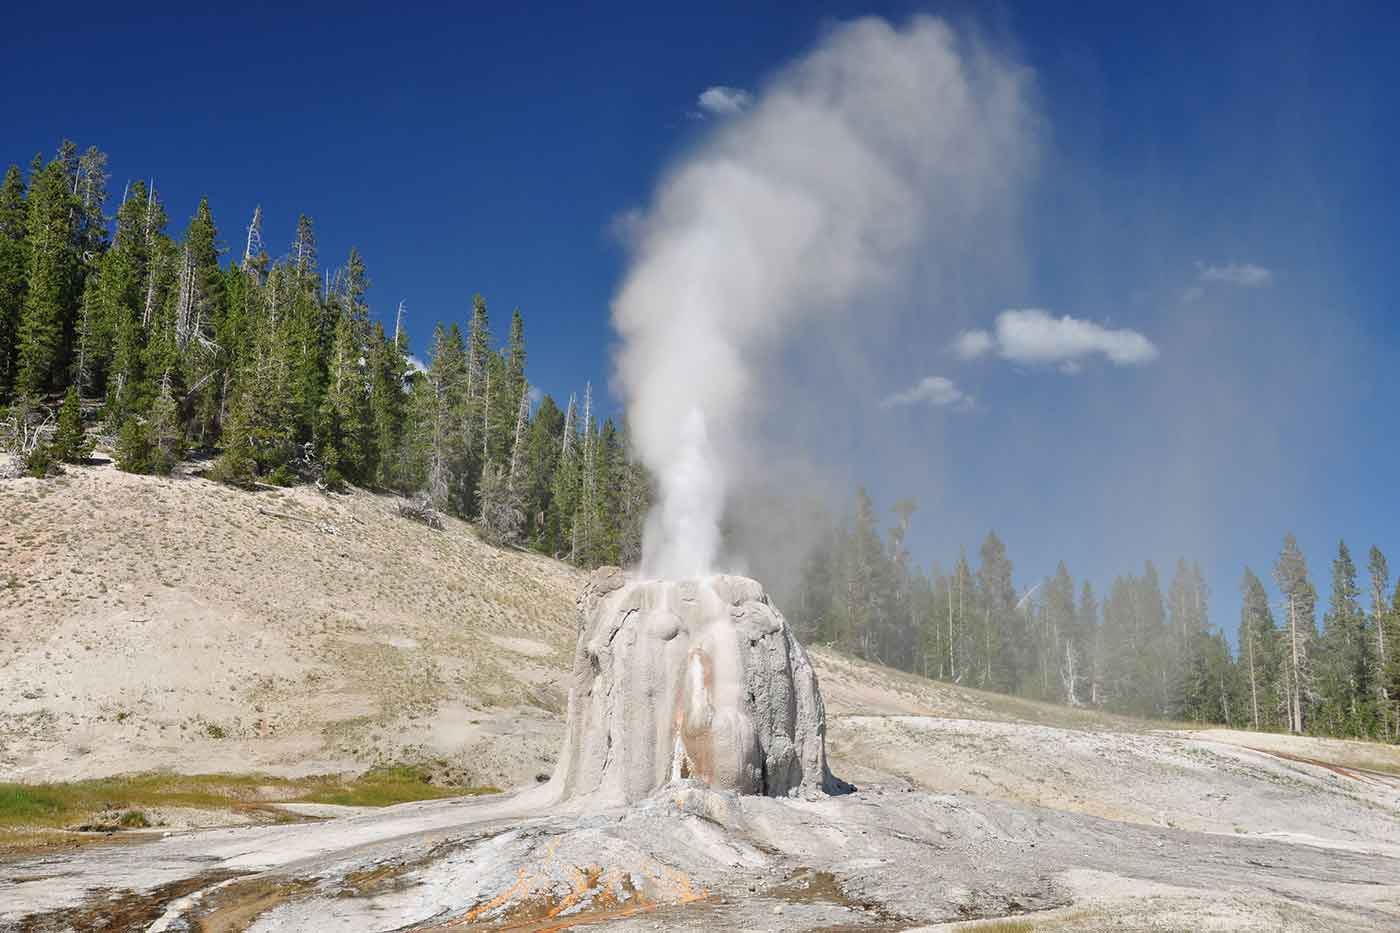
pixel 1107 360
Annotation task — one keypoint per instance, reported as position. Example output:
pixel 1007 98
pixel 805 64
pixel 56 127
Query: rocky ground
pixel 131 606
pixel 889 857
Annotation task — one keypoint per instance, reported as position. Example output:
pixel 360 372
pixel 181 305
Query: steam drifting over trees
pixel 1141 651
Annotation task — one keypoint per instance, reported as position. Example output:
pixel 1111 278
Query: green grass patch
pixel 123 802
pixel 29 804
pixel 380 787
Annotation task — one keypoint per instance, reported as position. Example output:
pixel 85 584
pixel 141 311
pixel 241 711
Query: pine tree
pixel 897 633
pixel 165 431
pixel 1134 631
pixel 959 651
pixel 478 354
pixel 635 497
pixel 862 581
pixel 1344 653
pixel 541 461
pixel 388 365
pixel 70 443
pixel 1258 641
pixel 1192 649
pixel 50 297
pixel 1381 622
pixel 127 283
pixel 1005 642
pixel 162 362
pixel 156 444
pixel 259 439
pixel 500 404
pixel 14 274
pixel 201 319
pixel 814 611
pixel 133 450
pixel 344 412
pixel 567 485
pixel 607 454
pixel 1092 633
pixel 440 415
pixel 311 328
pixel 1291 575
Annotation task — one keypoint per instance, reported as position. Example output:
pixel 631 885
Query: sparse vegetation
pixel 381 787
pixel 127 802
pixel 133 819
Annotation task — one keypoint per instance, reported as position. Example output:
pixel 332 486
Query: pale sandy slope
pixel 176 623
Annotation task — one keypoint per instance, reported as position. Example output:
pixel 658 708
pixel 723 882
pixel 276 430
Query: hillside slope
pixel 176 623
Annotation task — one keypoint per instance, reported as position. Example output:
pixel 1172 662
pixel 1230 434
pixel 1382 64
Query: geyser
pixel 697 678
pixel 883 151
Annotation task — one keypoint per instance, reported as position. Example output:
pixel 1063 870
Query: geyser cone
pixel 693 678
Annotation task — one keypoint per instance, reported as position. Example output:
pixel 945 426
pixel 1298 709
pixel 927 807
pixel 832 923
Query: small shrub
pixel 215 731
pixel 332 480
pixel 41 462
pixel 148 447
pixel 70 443
pixel 133 819
pixel 235 467
pixel 133 451
pixel 282 476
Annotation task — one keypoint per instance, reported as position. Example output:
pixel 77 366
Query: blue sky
pixel 467 150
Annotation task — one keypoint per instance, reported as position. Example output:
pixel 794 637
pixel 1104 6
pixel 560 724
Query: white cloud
pixel 972 343
pixel 723 101
pixel 1245 275
pixel 535 394
pixel 935 390
pixel 415 365
pixel 1034 336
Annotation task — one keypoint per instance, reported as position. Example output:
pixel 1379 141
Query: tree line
pixel 1139 650
pixel 276 366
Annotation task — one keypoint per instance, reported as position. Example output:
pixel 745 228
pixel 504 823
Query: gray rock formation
pixel 694 678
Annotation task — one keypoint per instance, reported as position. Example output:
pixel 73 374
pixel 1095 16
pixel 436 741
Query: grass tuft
pixel 381 787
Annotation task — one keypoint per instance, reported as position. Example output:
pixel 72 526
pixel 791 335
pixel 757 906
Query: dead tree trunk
pixel 1296 699
pixel 521 417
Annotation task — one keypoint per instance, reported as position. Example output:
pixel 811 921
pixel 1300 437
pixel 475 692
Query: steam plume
pixel 830 185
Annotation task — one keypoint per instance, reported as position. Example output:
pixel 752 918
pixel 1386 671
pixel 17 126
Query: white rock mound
pixel 697 679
